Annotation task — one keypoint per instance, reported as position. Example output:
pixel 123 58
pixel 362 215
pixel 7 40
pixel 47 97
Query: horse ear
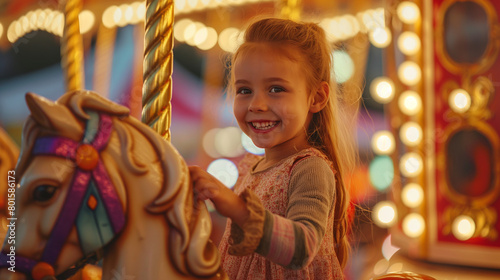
pixel 51 115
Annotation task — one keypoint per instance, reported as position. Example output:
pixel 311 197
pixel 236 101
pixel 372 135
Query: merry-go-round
pixel 94 158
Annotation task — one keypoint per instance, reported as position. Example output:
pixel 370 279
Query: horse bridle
pixel 91 200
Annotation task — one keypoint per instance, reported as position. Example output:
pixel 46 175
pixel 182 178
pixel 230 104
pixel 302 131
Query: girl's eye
pixel 44 193
pixel 243 91
pixel 276 89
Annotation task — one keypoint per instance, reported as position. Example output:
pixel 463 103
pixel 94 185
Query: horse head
pixel 94 182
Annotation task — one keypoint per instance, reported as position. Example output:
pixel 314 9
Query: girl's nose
pixel 257 104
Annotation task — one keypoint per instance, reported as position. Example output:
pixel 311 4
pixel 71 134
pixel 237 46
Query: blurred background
pixel 427 187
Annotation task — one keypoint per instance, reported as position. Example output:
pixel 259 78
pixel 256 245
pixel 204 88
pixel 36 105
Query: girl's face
pixel 272 104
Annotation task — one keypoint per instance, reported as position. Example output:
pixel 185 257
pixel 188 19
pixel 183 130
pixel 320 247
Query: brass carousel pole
pixel 72 46
pixel 158 64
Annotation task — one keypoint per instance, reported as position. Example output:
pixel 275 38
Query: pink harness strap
pixel 67 148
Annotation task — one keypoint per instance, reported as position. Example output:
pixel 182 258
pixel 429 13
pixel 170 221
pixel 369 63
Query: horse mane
pixel 189 247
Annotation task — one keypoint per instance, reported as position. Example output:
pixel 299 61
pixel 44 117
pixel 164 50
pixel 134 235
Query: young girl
pixel 288 210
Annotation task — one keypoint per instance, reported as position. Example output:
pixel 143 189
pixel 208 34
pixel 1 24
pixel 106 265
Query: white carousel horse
pixel 93 179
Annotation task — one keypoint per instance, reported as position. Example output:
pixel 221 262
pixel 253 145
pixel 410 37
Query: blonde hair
pixel 330 129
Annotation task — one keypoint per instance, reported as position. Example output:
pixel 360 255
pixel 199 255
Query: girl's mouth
pixel 266 125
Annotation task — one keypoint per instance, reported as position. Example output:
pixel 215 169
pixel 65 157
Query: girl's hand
pixel 226 202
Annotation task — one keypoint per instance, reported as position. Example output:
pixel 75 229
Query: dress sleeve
pixel 244 240
pixel 293 241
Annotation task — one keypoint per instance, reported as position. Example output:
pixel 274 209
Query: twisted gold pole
pixel 72 46
pixel 158 62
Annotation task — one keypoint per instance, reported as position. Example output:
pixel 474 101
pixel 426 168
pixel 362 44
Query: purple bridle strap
pixel 66 148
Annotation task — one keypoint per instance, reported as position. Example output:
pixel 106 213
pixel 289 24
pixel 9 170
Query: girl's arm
pixel 293 241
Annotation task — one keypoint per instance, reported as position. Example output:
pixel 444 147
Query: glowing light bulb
pixel 463 227
pixel 108 17
pixel 210 41
pixel 128 13
pixel 192 31
pixel 409 43
pixel 192 3
pixel 87 20
pixel 383 142
pixel 413 225
pixel 228 142
pixel 384 214
pixel 208 143
pixel 1 30
pixel 411 165
pixel 141 11
pixel 380 37
pixel 343 66
pixel 180 4
pixel 412 195
pixel 228 39
pixel 409 73
pixel 200 36
pixel 459 100
pixel 11 32
pixel 411 134
pixel 408 12
pixel 225 171
pixel 381 172
pixel 410 103
pixel 250 146
pixel 189 31
pixel 382 90
pixel 123 14
pixel 180 28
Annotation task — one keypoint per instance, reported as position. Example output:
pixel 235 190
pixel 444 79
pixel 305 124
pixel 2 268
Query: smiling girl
pixel 287 214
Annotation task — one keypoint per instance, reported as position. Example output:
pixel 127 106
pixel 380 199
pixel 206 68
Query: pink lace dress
pixel 269 188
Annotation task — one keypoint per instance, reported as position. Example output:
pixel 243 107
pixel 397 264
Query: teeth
pixel 263 125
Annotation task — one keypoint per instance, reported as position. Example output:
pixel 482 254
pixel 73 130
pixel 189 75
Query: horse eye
pixel 44 192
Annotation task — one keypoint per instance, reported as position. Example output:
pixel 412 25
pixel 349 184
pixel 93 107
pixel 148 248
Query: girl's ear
pixel 320 98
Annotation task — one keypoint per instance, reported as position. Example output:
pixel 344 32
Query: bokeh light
pixel 383 142
pixel 380 37
pixel 411 134
pixel 411 164
pixel 210 41
pixel 410 103
pixel 108 17
pixel 384 214
pixel 412 195
pixel 228 39
pixel 382 90
pixel 413 225
pixel 249 146
pixel 409 43
pixel 343 66
pixel 227 142
pixel 380 267
pixel 459 100
pixel 180 28
pixel 87 20
pixel 388 250
pixel 463 227
pixel 408 12
pixel 381 172
pixel 224 170
pixel 208 143
pixel 409 73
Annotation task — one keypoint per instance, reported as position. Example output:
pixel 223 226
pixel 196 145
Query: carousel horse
pixel 96 183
